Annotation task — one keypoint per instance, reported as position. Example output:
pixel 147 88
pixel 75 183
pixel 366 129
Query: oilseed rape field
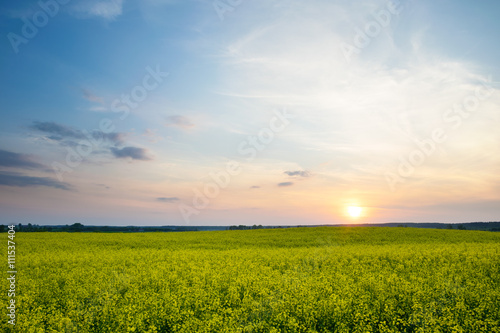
pixel 330 279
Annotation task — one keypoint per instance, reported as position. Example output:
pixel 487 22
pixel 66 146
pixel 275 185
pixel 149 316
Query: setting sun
pixel 354 211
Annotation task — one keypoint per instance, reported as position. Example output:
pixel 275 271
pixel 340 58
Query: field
pixel 280 280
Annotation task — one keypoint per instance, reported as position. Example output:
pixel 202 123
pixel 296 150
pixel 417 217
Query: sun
pixel 354 211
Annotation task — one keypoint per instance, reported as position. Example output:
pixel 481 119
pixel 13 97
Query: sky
pixel 228 112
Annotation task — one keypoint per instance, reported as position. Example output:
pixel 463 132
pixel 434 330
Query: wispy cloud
pixel 254 187
pixel 168 200
pixel 298 173
pixel 365 114
pixel 15 160
pixel 60 132
pixel 152 135
pixel 19 180
pixel 56 130
pixel 179 121
pixel 98 109
pixel 134 153
pixel 114 137
pixel 88 95
pixel 105 9
pixel 285 184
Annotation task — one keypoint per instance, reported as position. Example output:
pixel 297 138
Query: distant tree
pixel 450 226
pixel 76 227
pixel 242 227
pixel 461 227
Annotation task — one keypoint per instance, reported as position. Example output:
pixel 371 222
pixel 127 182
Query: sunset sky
pixel 194 112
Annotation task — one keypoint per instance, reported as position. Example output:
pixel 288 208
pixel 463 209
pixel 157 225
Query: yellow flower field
pixel 272 280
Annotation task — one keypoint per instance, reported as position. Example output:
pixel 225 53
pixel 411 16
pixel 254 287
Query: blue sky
pixel 156 112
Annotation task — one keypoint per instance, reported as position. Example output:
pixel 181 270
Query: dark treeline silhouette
pixel 482 226
pixel 244 227
pixel 79 227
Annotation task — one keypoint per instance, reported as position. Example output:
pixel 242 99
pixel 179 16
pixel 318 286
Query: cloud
pixel 169 200
pixel 152 135
pixel 179 121
pixel 19 180
pixel 91 97
pixel 254 187
pixel 107 9
pixel 15 160
pixel 356 112
pixel 114 137
pixel 156 3
pixel 98 109
pixel 134 153
pixel 60 132
pixel 285 184
pixel 298 173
